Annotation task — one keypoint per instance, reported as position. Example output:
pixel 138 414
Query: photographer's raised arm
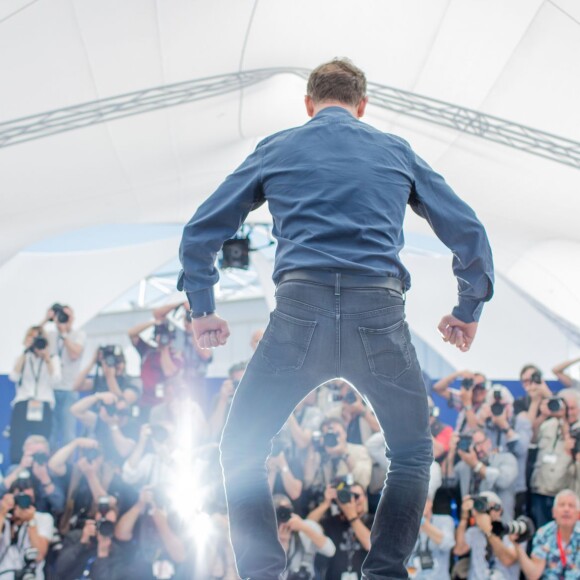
pixel 169 368
pixel 126 524
pixel 533 568
pixel 301 437
pixel 82 383
pixel 171 541
pixel 564 378
pixel 441 387
pixel 57 463
pixel 161 312
pixel 82 410
pixel 138 329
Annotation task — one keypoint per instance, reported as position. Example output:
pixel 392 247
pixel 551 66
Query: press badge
pixel 34 410
pixel 349 576
pixel 160 390
pixel 550 458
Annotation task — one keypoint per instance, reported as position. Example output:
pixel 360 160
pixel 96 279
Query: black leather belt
pixel 345 280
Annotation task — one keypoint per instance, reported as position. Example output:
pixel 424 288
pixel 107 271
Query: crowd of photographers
pixel 112 476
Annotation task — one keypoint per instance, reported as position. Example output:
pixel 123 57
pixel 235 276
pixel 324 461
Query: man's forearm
pixel 317 513
pixel 532 570
pixel 362 533
pixel 506 555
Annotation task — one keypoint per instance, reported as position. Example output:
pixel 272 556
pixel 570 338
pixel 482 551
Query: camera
pixel 23 500
pixel 320 441
pixel 28 572
pixel 159 433
pixel 481 504
pixel 536 378
pixel 110 355
pixel 300 574
pixel 106 528
pixel 283 514
pixel 523 528
pixel 497 406
pixel 350 398
pixel 164 333
pixel 575 434
pixel 40 458
pixel 103 505
pixel 467 383
pixel 464 443
pixel 343 486
pixel 556 404
pixel 59 314
pixel 38 343
pixel 90 453
pixel 111 410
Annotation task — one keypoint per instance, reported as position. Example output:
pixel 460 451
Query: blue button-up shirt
pixel 337 190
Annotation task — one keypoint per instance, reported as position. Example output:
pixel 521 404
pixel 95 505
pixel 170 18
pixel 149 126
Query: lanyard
pixel 563 557
pixel 36 375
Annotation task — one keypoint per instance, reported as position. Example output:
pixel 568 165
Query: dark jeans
pixel 541 509
pixel 318 333
pixel 21 428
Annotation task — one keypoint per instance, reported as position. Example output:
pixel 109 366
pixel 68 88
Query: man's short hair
pixel 567 492
pixel 237 367
pixel 338 80
pixel 527 367
pixel 35 440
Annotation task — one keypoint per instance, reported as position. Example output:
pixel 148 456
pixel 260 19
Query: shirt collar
pixel 331 111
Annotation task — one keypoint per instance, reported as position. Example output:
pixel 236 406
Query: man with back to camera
pixel 337 190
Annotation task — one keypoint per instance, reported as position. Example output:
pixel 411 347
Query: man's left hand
pixel 210 331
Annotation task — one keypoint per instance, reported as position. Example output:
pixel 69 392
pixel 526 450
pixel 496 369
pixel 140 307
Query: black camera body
pixel 59 314
pixel 301 574
pixel 110 354
pixel 343 486
pixel 159 433
pixel 497 407
pixel 467 383
pixel 481 504
pixel 536 377
pixel 575 434
pixel 350 398
pixel 40 458
pixel 164 334
pixel 90 453
pixel 23 500
pixel 283 514
pixel 320 440
pixel 464 443
pixel 38 343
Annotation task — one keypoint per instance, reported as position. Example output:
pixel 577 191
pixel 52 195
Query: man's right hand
pixel 456 332
pixel 89 531
pixel 210 331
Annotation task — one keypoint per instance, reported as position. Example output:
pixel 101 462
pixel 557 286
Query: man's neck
pixel 566 533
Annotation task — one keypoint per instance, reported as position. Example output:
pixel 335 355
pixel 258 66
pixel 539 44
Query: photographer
pixel 92 552
pixel 110 375
pixel 509 432
pixel 484 468
pixel 301 539
pixel 26 532
pixel 156 535
pixel 159 361
pixel 110 423
pixel 467 400
pixel 304 421
pixel 220 405
pixel 195 359
pixel 430 558
pixel 359 419
pixel 90 477
pixel 68 344
pixel 35 373
pixel 330 456
pixel 491 556
pixel 556 545
pixel 284 477
pixel 150 463
pixel 35 458
pixel 565 378
pixel 346 521
pixel 440 432
pixel 559 418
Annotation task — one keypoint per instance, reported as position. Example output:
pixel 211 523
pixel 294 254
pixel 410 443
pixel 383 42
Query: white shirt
pixel 70 368
pixel 14 557
pixel 35 382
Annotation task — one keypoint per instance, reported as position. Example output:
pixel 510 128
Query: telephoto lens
pixel 555 404
pixel 23 500
pixel 106 528
pixel 523 527
pixel 39 343
pixel 480 504
pixel 40 458
pixel 330 439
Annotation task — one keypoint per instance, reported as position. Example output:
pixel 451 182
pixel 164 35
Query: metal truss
pixel 448 115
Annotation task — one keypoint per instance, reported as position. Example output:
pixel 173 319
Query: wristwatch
pixel 32 523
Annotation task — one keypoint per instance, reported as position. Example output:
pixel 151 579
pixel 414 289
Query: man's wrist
pixel 203 314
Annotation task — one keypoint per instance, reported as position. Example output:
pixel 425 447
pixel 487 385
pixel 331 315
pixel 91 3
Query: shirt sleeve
pixel 457 226
pixel 540 545
pixel 216 221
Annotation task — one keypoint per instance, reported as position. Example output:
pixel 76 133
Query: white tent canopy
pixel 516 60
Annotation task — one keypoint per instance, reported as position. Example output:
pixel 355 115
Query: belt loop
pixel 337 285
